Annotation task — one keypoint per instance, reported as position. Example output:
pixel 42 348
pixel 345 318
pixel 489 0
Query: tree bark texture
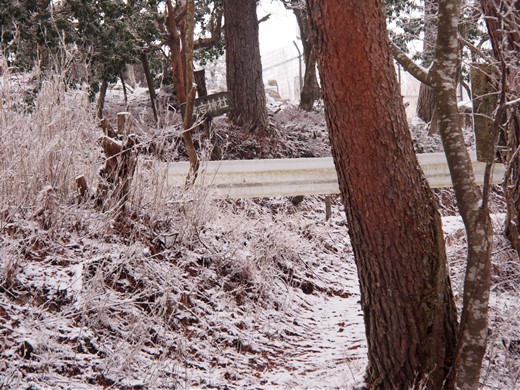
pixel 149 82
pixel 191 87
pixel 311 89
pixel 502 20
pixel 244 66
pixel 426 102
pixel 473 326
pixel 101 98
pixel 174 44
pixel 394 226
pixel 484 99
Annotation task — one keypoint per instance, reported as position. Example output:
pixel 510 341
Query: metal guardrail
pixel 300 176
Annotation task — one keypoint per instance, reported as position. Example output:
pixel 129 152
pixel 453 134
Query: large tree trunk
pixel 244 66
pixel 426 102
pixel 394 226
pixel 311 89
pixel 503 30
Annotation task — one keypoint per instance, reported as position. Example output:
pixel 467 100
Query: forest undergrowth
pixel 182 290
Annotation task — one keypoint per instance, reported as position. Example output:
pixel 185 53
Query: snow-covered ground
pixel 188 291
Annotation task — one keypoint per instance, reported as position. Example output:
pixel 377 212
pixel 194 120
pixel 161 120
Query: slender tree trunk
pixel 174 44
pixel 185 93
pixel 473 209
pixel 244 66
pixel 471 202
pixel 149 83
pixel 502 20
pixel 426 102
pixel 191 88
pixel 311 89
pixel 125 93
pixel 394 226
pixel 101 98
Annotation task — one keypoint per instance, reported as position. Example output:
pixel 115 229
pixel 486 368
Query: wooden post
pixel 328 207
pixel 200 80
pixel 123 123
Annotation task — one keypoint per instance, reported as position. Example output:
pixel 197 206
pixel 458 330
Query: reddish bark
pixel 184 92
pixel 394 226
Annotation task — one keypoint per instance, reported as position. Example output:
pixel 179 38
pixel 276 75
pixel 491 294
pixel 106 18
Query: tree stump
pixel 121 150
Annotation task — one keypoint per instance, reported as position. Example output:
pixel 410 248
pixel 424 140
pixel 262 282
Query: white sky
pixel 280 29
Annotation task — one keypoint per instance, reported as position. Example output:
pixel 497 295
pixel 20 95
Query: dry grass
pixel 45 142
pixel 118 302
pixel 185 290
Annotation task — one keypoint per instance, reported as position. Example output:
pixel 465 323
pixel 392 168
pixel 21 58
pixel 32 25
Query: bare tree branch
pixel 474 49
pixel 266 17
pixel 410 66
pixel 216 33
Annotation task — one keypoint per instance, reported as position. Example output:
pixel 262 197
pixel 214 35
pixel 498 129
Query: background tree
pixel 502 20
pixel 394 226
pixel 310 89
pixel 404 17
pixel 244 65
pixel 179 22
pixel 426 102
pixel 209 45
pixel 31 32
pixel 103 31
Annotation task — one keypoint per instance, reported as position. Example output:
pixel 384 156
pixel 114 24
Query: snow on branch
pixel 410 66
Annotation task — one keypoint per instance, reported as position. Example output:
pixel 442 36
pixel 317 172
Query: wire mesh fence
pixel 283 71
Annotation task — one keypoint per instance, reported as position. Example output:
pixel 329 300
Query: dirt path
pixel 323 338
pixel 331 350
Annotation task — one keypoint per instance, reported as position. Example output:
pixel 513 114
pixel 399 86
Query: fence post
pixel 299 65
